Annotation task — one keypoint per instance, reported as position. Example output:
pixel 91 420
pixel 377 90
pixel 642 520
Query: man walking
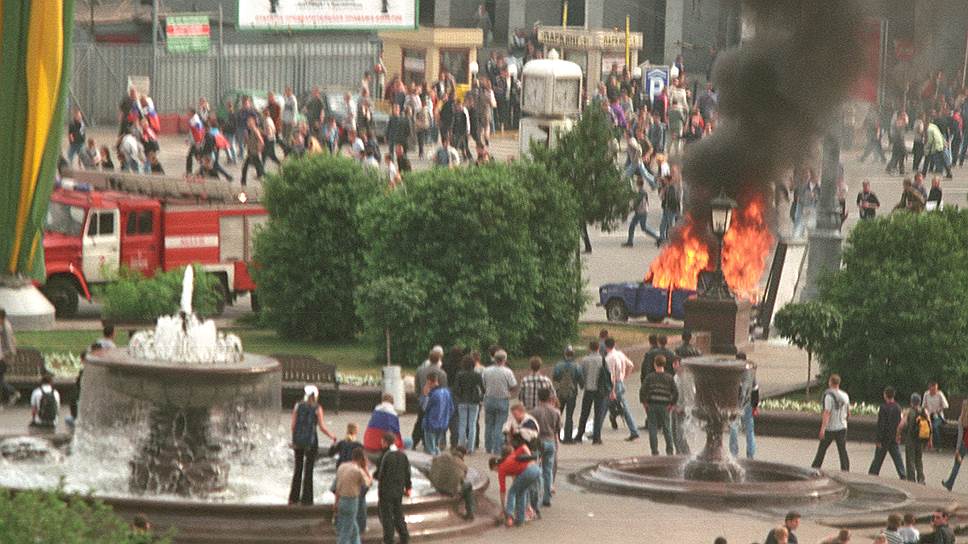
pixel 867 201
pixel 568 379
pixel 888 419
pixel 533 384
pixel 686 390
pixel 915 432
pixel 592 400
pixel 620 366
pixel 935 403
pixel 549 425
pixel 433 365
pixel 393 473
pixel 499 385
pixel 749 404
pixel 833 423
pixel 640 214
pixel 660 397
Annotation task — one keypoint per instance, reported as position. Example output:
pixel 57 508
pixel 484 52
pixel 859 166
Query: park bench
pixel 26 369
pixel 300 370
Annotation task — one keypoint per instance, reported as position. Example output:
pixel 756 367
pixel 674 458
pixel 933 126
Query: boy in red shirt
pixel 520 464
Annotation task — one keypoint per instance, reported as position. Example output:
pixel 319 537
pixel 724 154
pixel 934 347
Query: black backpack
pixel 47 409
pixel 304 432
pixel 604 380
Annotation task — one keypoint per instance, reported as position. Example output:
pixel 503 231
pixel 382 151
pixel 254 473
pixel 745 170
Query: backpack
pixel 420 120
pixel 604 380
pixel 47 410
pixel 565 388
pixel 304 432
pixel 923 425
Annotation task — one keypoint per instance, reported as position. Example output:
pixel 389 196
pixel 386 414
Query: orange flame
pixel 746 248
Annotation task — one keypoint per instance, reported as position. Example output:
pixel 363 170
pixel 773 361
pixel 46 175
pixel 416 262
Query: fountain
pixel 183 426
pixel 721 385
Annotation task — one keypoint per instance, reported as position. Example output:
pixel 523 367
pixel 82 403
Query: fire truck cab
pixel 89 235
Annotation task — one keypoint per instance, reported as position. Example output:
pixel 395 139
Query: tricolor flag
pixel 383 420
pixel 35 42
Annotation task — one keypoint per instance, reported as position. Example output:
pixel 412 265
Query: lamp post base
pixel 27 309
pixel 726 320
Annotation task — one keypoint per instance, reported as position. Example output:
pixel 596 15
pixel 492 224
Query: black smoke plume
pixel 779 92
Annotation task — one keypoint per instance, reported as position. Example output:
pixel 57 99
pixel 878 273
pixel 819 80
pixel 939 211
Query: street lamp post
pixel 721 215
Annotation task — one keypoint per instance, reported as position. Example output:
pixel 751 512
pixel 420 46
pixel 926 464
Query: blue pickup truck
pixel 625 300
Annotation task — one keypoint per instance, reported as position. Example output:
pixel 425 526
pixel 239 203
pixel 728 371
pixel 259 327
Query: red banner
pixel 868 80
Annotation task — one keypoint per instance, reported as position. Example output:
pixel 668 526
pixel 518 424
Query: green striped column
pixel 35 44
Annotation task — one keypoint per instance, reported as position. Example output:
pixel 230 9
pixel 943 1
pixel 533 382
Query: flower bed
pixel 813 407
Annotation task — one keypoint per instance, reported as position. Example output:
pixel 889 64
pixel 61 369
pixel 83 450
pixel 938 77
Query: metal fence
pixel 100 72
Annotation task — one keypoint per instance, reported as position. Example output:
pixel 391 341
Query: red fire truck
pixel 89 234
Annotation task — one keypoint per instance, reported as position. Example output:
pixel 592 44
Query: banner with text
pixel 187 33
pixel 328 14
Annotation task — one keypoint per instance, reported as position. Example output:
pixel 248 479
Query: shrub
pixel 135 297
pixel 904 304
pixel 51 517
pixel 310 253
pixel 809 325
pixel 493 249
pixel 584 159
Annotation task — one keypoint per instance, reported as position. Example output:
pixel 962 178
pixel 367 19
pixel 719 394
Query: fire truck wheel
pixel 616 311
pixel 62 294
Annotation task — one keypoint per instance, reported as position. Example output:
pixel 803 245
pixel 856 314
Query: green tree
pixel 493 250
pixel 585 159
pixel 53 517
pixel 387 303
pixel 135 297
pixel 310 253
pixel 809 325
pixel 904 303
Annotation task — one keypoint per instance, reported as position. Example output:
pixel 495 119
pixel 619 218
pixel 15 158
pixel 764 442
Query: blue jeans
pixel 347 530
pixel 950 482
pixel 361 511
pixel 547 468
pixel 74 150
pixel 937 421
pixel 669 220
pixel 620 397
pixel 518 494
pixel 640 220
pixel 467 425
pixel 640 168
pixel 746 420
pixel 495 415
pixel 433 440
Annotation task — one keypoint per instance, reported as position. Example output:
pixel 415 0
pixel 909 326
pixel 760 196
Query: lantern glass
pixel 721 214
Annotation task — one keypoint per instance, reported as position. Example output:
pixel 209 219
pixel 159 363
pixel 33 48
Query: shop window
pixel 456 62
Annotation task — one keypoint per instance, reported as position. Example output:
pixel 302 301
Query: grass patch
pixel 353 357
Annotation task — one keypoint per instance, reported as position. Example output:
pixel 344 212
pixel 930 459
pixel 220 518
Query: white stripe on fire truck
pixel 184 242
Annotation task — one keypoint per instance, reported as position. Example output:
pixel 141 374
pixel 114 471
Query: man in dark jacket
pixel 888 418
pixel 660 394
pixel 393 473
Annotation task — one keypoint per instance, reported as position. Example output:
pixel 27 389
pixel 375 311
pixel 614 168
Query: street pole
pixel 825 242
pixel 154 43
pixel 964 68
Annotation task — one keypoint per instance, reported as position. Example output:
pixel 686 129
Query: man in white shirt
pixel 935 403
pixel 44 404
pixel 620 366
pixel 833 423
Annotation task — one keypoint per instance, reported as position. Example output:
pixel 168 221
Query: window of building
pixel 456 62
pixel 414 66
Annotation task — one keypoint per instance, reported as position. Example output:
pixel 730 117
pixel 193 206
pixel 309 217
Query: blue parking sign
pixel 656 79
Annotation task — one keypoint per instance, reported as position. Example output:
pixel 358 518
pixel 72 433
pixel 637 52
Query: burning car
pixel 641 299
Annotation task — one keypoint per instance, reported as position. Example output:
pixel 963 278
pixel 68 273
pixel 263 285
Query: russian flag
pixel 383 420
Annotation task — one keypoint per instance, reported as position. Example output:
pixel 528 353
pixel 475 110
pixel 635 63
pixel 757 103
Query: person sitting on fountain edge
pixel 306 417
pixel 44 404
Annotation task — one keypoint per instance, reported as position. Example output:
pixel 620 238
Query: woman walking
pixel 961 448
pixel 306 417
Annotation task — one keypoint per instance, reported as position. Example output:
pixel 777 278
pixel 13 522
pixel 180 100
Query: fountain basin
pixel 661 478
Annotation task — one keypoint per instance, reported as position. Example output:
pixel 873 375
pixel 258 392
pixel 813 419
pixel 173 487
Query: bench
pixel 300 370
pixel 26 369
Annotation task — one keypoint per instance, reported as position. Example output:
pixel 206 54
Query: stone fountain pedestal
pixel 182 454
pixel 726 320
pixel 27 308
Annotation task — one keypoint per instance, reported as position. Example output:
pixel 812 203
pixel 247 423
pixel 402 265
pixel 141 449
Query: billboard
pixel 328 14
pixel 187 33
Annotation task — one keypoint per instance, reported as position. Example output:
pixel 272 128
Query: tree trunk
pixel 387 333
pixel 809 371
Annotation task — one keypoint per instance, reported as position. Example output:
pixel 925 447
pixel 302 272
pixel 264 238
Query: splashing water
pixel 185 338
